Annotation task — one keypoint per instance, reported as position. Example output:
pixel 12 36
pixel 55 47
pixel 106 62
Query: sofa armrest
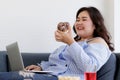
pixel 107 71
pixel 117 73
pixel 34 58
pixel 3 61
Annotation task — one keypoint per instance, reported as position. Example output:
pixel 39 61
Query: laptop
pixel 14 57
pixel 16 60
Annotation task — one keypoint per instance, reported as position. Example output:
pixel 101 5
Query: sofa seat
pixel 21 75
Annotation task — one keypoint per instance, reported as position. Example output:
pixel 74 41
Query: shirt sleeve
pixel 45 64
pixel 91 57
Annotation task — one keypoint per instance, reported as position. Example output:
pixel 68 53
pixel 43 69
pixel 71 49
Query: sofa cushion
pixel 117 73
pixel 3 61
pixel 108 69
pixel 34 58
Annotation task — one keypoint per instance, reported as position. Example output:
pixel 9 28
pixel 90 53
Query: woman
pixel 88 51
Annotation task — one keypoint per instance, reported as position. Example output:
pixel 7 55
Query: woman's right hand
pixel 65 35
pixel 34 67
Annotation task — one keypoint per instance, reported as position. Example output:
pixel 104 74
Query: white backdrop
pixel 117 25
pixel 32 22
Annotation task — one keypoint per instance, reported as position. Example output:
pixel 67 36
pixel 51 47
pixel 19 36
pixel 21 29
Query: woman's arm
pixel 93 53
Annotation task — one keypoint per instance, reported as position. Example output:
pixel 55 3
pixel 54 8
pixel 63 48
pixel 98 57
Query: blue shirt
pixel 76 59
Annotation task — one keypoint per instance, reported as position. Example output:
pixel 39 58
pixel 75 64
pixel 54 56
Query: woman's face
pixel 84 26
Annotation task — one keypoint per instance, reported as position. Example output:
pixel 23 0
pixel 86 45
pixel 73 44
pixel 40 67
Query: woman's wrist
pixel 71 41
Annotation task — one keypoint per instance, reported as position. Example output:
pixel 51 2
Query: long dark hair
pixel 98 21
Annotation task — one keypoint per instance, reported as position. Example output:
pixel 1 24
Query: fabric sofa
pixel 34 58
pixel 28 59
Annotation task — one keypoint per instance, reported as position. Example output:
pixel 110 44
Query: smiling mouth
pixel 79 28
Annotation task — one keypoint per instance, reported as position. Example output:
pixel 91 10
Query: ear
pixel 94 26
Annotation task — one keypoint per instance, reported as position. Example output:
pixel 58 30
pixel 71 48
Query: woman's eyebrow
pixel 82 17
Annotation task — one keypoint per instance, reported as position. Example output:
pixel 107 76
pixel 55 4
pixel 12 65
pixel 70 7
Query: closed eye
pixel 84 18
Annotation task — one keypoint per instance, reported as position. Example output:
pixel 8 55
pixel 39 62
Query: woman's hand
pixel 65 37
pixel 34 67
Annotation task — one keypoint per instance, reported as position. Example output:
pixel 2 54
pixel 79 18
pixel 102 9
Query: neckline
pixel 88 40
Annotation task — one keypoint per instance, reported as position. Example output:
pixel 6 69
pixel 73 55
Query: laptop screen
pixel 14 57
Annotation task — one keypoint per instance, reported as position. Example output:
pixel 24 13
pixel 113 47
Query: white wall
pixel 109 16
pixel 117 25
pixel 32 22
